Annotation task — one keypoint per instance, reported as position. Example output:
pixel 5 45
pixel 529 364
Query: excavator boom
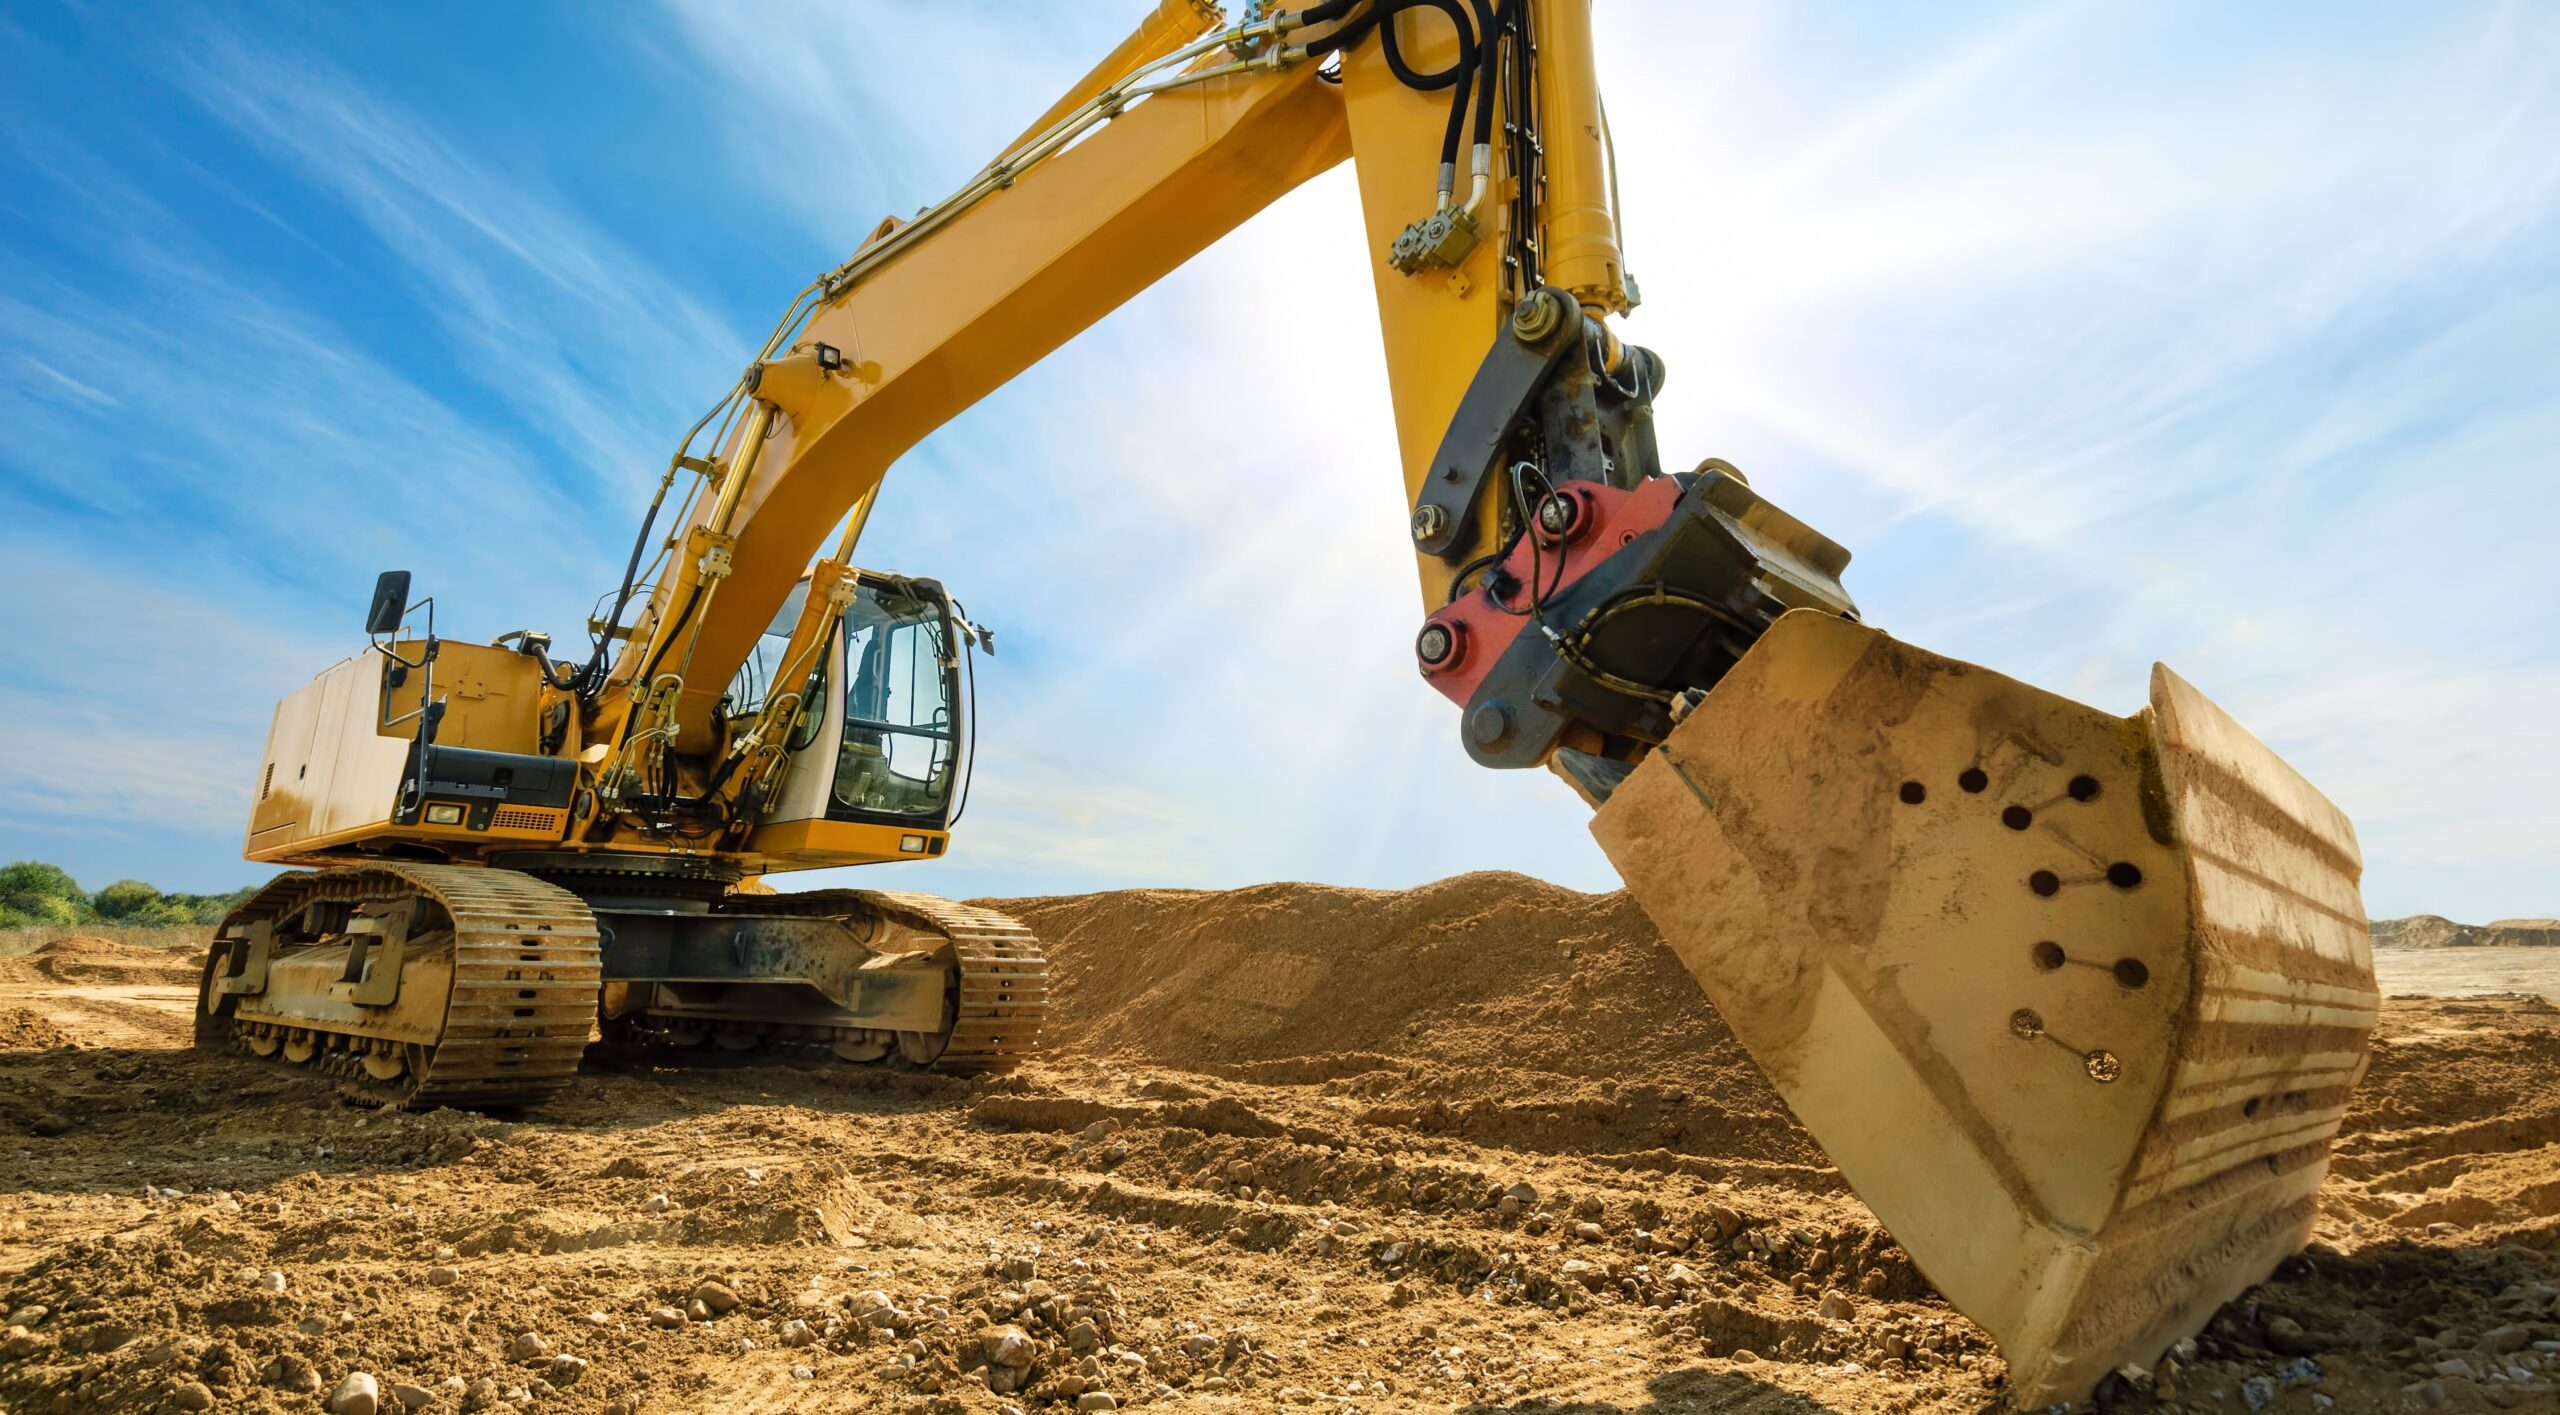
pixel 2074 1000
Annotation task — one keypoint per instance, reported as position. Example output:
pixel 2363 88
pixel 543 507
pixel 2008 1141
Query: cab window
pixel 754 681
pixel 900 738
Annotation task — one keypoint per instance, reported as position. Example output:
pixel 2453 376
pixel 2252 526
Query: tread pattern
pixel 526 971
pixel 1001 983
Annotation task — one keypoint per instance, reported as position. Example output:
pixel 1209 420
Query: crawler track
pixel 1001 988
pixel 518 1014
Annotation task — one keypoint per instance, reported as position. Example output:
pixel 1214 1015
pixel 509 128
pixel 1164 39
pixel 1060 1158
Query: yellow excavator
pixel 2074 1000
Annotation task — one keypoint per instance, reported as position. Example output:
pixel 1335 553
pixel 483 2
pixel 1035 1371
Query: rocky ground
pixel 1476 1146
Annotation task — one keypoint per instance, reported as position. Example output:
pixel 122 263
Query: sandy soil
pixel 1479 1145
pixel 2468 972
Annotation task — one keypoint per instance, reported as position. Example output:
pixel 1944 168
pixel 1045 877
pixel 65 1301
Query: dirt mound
pixel 85 961
pixel 1493 1006
pixel 21 1030
pixel 1481 970
pixel 2457 1061
pixel 2457 1122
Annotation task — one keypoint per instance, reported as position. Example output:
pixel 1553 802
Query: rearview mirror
pixel 390 603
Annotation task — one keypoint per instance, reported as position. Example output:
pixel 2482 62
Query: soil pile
pixel 1516 1010
pixel 1484 969
pixel 22 1030
pixel 85 961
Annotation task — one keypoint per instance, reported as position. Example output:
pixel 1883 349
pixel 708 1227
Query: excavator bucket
pixel 2074 1001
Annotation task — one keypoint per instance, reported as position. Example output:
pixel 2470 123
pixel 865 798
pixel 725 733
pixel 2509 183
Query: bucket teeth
pixel 2074 1001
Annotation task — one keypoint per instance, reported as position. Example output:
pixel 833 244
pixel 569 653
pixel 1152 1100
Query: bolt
pixel 1490 723
pixel 1429 520
pixel 1434 644
pixel 1537 316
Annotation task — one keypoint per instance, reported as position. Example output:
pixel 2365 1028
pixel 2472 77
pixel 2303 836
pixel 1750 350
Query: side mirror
pixel 390 603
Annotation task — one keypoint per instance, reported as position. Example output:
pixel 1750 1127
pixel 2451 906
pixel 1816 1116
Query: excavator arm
pixel 1127 178
pixel 2074 1000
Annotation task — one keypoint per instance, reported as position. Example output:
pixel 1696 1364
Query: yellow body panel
pixel 337 748
pixel 1436 325
pixel 821 844
pixel 492 696
pixel 328 771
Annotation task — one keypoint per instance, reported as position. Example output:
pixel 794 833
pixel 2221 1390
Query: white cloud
pixel 307 458
pixel 133 709
pixel 849 110
pixel 54 382
pixel 182 432
pixel 549 310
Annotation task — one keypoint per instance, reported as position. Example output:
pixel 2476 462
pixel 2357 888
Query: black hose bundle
pixel 1472 75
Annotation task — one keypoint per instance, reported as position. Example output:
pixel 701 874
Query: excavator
pixel 2075 1000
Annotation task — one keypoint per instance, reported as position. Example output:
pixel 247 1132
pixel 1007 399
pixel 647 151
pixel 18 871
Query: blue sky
pixel 2227 336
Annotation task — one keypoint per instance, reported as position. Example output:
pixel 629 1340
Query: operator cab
pixel 881 742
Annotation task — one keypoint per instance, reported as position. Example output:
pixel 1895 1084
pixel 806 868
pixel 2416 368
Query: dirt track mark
pixel 124 1016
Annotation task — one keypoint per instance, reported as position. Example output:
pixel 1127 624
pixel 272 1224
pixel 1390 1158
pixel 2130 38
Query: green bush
pixel 33 892
pixel 205 908
pixel 124 900
pixel 19 912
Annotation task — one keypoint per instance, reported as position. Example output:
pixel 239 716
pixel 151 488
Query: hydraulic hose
pixel 1460 73
pixel 1488 51
pixel 591 678
pixel 1380 15
pixel 1489 26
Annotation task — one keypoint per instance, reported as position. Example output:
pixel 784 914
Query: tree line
pixel 33 892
